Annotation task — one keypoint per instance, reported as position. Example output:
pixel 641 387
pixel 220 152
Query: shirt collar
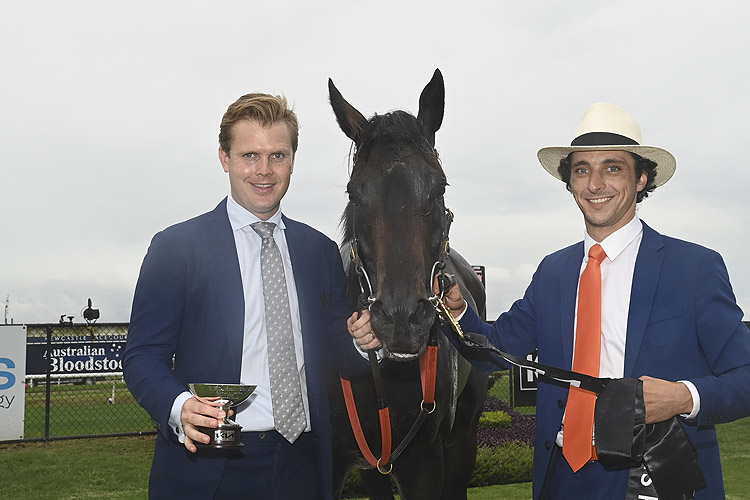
pixel 616 242
pixel 240 217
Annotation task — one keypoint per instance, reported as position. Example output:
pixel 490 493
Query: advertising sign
pixel 76 355
pixel 12 385
pixel 480 274
pixel 524 383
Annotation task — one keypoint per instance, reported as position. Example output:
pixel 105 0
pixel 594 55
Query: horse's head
pixel 396 220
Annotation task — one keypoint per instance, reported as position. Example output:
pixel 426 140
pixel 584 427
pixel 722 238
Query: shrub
pixel 495 419
pixel 508 463
pixel 353 487
pixel 521 429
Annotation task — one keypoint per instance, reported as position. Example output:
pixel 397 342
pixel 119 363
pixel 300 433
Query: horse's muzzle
pixel 403 330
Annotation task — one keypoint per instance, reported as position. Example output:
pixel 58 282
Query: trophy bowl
pixel 227 435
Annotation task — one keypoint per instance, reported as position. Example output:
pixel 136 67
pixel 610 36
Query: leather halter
pixel 428 376
pixel 368 293
pixel 427 362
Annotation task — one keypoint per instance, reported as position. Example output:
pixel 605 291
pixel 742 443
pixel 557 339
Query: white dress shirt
pixel 256 414
pixel 617 271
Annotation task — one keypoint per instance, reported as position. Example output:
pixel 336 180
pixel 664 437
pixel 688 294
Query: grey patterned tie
pixel 286 394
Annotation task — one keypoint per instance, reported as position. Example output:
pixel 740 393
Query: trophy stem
pixel 227 434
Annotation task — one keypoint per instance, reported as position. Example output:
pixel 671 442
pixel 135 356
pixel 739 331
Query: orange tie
pixel 579 415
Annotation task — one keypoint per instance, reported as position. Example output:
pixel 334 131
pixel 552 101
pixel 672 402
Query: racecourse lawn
pixel 117 468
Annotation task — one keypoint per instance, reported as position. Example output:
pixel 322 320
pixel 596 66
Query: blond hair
pixel 265 109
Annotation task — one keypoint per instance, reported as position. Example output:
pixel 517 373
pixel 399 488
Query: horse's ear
pixel 432 106
pixel 350 120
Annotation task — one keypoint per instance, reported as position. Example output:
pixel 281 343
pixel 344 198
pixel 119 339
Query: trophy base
pixel 223 437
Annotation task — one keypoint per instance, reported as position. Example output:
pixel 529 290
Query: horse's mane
pixel 397 128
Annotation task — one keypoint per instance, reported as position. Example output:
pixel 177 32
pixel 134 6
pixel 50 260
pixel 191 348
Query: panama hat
pixel 608 127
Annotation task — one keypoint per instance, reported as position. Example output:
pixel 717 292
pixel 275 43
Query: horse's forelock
pixel 395 127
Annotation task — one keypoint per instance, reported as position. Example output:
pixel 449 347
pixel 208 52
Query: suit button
pixel 262 435
pixel 560 404
pixel 547 445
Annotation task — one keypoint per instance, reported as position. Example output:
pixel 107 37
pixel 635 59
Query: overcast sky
pixel 110 115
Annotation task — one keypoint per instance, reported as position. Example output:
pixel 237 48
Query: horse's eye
pixel 438 197
pixel 354 196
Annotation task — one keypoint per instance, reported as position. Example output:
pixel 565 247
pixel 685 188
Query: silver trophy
pixel 227 434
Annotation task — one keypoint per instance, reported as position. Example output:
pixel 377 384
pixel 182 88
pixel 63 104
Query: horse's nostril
pixel 423 313
pixel 420 313
pixel 380 313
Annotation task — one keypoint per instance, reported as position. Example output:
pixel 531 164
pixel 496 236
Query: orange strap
pixel 351 409
pixel 428 375
pixel 428 372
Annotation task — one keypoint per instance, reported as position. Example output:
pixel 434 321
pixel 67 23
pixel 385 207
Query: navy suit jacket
pixel 683 324
pixel 189 306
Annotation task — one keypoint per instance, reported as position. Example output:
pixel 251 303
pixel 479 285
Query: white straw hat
pixel 608 127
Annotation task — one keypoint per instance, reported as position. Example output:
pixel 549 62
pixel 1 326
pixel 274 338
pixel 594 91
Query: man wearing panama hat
pixel 664 316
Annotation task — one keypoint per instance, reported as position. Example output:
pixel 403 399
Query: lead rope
pixel 428 376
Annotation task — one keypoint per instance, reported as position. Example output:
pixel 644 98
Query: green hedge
pixel 508 463
pixel 495 419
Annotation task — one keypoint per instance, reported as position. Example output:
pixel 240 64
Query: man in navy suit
pixel 668 313
pixel 198 316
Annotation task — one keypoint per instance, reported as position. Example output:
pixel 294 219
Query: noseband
pixel 368 293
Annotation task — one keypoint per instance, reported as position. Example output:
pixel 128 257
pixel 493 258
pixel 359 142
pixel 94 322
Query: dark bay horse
pixel 397 224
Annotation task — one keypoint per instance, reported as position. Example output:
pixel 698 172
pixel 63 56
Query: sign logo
pixel 10 378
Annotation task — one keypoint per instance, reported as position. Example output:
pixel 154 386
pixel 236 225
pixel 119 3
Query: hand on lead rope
pixel 361 329
pixel 452 298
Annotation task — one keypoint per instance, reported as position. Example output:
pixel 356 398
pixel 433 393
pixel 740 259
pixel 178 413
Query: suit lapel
pixel 303 266
pixel 569 291
pixel 648 266
pixel 225 270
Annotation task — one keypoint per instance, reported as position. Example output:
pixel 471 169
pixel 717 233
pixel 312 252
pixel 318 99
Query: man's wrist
pixel 458 313
pixel 696 400
pixel 175 415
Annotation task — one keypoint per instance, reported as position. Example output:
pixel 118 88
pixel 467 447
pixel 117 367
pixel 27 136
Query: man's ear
pixel 641 184
pixel 224 159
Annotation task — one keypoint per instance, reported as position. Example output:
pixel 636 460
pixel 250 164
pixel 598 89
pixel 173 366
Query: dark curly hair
pixel 641 165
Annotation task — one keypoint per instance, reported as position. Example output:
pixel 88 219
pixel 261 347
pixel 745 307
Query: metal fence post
pixel 48 394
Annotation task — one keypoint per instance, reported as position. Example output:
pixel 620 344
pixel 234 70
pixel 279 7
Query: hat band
pixel 603 139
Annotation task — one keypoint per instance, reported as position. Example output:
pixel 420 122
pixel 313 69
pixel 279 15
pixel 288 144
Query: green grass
pixel 104 468
pixel 115 468
pixel 76 407
pixel 118 468
pixel 734 443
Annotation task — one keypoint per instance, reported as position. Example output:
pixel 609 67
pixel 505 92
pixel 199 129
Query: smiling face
pixel 605 187
pixel 260 164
